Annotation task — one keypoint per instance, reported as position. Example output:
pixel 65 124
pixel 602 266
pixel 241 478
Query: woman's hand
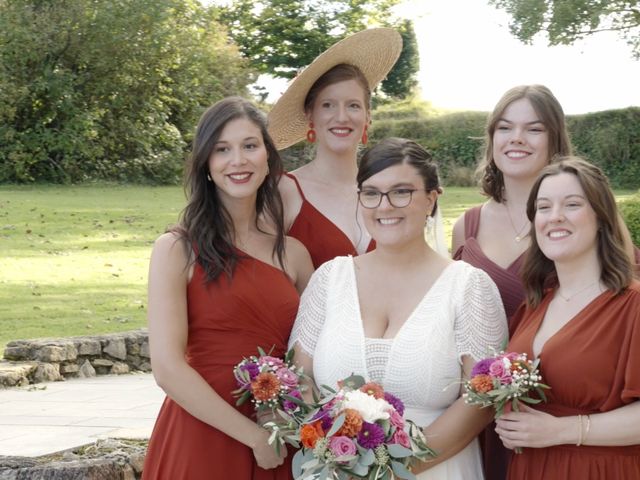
pixel 532 428
pixel 265 454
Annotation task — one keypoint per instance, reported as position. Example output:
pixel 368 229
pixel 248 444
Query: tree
pixel 107 89
pixel 401 81
pixel 281 36
pixel 566 21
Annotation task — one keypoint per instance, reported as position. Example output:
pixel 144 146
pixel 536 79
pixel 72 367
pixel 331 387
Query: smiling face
pixel 339 115
pixel 520 141
pixel 238 161
pixel 566 225
pixel 393 226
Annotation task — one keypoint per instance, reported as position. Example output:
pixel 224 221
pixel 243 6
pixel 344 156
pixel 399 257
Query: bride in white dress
pixel 403 315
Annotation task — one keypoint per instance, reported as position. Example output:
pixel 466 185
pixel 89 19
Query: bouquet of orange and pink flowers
pixel 358 431
pixel 504 379
pixel 269 382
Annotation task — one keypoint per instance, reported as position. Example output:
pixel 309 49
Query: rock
pixel 86 370
pixel 136 460
pixel 19 350
pixel 119 368
pixel 144 350
pixel 69 368
pixel 128 473
pixel 47 372
pixel 57 353
pixel 101 362
pixel 89 347
pixel 116 348
pixel 145 367
pixel 14 374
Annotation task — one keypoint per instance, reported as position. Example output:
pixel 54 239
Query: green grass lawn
pixel 74 259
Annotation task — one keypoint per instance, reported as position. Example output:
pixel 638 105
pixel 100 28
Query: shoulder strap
pixel 295 180
pixel 472 222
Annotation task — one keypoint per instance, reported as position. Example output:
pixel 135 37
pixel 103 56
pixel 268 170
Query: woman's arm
pixel 532 428
pixel 455 428
pixel 168 327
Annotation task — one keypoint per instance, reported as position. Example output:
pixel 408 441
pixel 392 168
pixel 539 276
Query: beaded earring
pixel 311 134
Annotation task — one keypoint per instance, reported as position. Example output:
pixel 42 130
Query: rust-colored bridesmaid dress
pixel 323 239
pixel 228 320
pixel 592 365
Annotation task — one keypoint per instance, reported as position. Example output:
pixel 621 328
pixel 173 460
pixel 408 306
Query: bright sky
pixel 468 59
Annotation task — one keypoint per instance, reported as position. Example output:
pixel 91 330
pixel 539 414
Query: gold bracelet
pixel 579 434
pixel 586 432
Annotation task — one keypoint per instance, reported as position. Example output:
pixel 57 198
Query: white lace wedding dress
pixel 460 314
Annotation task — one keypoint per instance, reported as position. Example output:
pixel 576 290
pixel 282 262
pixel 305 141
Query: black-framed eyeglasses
pixel 398 197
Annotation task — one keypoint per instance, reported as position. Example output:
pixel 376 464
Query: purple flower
pixel 482 367
pixel 288 405
pixel 395 402
pixel 371 435
pixel 251 369
pixel 327 423
pixel 341 446
pixel 500 371
pixel 287 377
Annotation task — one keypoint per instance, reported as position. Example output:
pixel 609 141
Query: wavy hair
pixel 205 223
pixel 538 271
pixel 549 111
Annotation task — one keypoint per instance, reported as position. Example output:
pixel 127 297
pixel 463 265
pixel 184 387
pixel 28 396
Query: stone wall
pixel 51 359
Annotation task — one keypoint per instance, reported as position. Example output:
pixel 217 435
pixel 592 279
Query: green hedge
pixel 630 210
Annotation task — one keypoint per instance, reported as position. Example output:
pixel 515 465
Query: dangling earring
pixel 365 137
pixel 311 134
pixel 209 177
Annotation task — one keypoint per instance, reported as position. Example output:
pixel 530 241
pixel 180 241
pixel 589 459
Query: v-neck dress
pixel 227 320
pixel 323 239
pixel 592 365
pixel 507 279
pixel 461 314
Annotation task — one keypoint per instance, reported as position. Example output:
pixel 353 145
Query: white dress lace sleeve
pixel 312 311
pixel 480 324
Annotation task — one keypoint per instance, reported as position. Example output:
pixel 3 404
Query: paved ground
pixel 47 418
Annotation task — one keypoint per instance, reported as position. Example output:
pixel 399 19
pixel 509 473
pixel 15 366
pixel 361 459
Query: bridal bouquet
pixel 270 382
pixel 358 431
pixel 504 378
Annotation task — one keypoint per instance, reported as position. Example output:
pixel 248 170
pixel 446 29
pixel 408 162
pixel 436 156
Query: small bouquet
pixel 270 382
pixel 358 431
pixel 502 378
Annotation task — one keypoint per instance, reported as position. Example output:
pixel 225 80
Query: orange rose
pixel 310 433
pixel 482 383
pixel 352 423
pixel 372 389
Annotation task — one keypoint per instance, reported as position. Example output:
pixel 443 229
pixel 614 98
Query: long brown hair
pixel 538 271
pixel 551 115
pixel 205 223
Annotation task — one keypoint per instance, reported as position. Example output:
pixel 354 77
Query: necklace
pixel 519 231
pixel 567 299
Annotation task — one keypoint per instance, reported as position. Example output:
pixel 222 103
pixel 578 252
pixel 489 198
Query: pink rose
pixel 511 356
pixel 342 446
pixel 271 361
pixel 287 377
pixel 396 419
pixel 499 370
pixel 401 438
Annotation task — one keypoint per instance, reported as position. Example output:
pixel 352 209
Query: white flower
pixel 369 407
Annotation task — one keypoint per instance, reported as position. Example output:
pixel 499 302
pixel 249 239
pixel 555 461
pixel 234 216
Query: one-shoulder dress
pixel 323 239
pixel 228 320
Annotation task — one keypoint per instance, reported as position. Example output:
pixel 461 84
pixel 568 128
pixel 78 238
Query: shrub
pixel 630 210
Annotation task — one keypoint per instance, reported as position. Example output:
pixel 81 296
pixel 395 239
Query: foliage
pixel 566 21
pixel 401 81
pixel 279 37
pixel 630 210
pixel 611 140
pixel 107 88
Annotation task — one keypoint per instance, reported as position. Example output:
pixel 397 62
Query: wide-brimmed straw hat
pixel 373 51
